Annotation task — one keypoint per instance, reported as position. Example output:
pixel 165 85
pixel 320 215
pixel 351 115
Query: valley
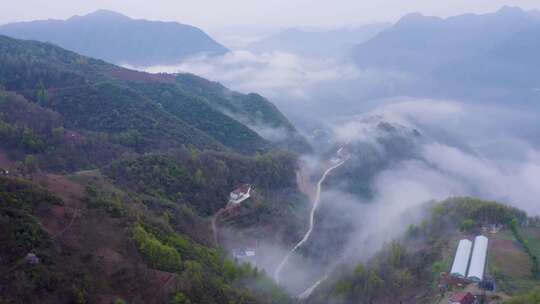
pixel 315 205
pixel 143 161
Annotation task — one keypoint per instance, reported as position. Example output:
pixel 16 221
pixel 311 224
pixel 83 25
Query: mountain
pixel 135 109
pixel 112 181
pixel 119 39
pixel 424 255
pixel 418 44
pixel 511 67
pixel 317 43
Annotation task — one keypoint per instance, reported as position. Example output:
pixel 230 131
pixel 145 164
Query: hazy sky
pixel 217 14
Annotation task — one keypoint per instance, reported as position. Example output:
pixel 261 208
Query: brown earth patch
pixel 509 258
pixel 136 76
pixel 88 238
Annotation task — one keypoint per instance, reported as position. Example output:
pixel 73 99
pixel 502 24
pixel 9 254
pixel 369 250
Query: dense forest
pixel 153 111
pixel 114 176
pixel 204 275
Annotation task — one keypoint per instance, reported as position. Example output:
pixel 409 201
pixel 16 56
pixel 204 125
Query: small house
pixel 240 194
pixel 247 255
pixel 31 259
pixel 461 298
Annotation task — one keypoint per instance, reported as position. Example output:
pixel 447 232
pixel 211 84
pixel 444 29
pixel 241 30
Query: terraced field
pixel 509 264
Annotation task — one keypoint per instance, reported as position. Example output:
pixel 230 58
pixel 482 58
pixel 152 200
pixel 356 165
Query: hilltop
pixel 317 42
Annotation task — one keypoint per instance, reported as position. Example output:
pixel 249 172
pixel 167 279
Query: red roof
pixel 242 189
pixel 462 297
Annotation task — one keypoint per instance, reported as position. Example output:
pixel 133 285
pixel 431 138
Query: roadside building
pixel 247 255
pixel 31 259
pixel 461 260
pixel 240 194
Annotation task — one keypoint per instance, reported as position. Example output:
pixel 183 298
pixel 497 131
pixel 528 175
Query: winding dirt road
pixel 311 221
pixel 215 231
pixel 306 293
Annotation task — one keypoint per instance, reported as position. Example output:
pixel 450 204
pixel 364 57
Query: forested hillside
pixel 133 256
pixel 110 179
pixel 411 269
pixel 138 110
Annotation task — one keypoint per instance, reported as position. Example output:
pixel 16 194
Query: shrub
pixel 155 253
pixel 180 298
pixel 468 225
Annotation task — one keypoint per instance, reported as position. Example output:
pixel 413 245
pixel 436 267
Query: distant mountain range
pixel 490 56
pixel 119 39
pixel 317 43
pixel 512 64
pixel 419 44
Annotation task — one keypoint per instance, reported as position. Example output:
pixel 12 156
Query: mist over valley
pixel 147 162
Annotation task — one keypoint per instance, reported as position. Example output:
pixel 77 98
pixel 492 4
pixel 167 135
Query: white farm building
pixel 478 259
pixel 461 260
pixel 470 260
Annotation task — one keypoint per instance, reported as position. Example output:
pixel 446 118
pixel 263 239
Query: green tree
pixel 397 254
pixel 41 94
pixel 29 165
pixel 30 141
pixel 468 225
pixel 58 134
pixel 199 177
pixel 180 298
pixel 157 254
pixel 531 298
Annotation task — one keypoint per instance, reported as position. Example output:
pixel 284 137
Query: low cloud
pixel 455 157
pixel 286 73
pixel 463 149
pixel 478 150
pixel 327 87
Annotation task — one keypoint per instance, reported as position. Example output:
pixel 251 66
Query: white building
pixel 461 260
pixel 245 256
pixel 478 259
pixel 240 194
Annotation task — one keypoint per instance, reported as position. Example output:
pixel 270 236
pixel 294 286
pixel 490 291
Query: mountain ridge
pixel 57 78
pixel 418 43
pixel 116 38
